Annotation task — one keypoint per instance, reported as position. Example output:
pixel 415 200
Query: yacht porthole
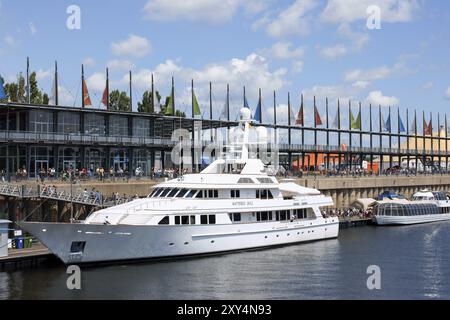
pixel 265 237
pixel 186 243
pixel 212 241
pixel 171 244
pixel 298 232
pixel 277 235
pixel 288 234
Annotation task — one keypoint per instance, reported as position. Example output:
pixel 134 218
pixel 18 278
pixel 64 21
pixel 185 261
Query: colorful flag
pixel 105 97
pixel 413 127
pixel 387 125
pixel 427 128
pixel 317 119
pixel 169 107
pixel 86 98
pixel 355 124
pixel 196 109
pixel 257 116
pixel 300 117
pixel 335 123
pixel 401 127
pixel 246 102
pixel 157 105
pixel 2 90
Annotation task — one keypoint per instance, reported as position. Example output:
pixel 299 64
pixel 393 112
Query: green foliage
pixel 146 104
pixel 35 93
pixel 45 99
pixel 16 91
pixel 119 101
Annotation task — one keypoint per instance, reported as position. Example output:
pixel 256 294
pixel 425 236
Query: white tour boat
pixel 233 204
pixel 426 206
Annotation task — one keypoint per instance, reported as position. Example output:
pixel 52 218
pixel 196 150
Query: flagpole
pixel 192 98
pixel 430 128
pixel 82 87
pixel 210 111
pixel 415 136
pixel 289 118
pixel 424 133
pixel 56 83
pixel 275 115
pixel 28 81
pixel 398 137
pixel 131 92
pixel 407 138
pixel 371 137
pixel 439 141
pixel 328 133
pixel 339 133
pixel 446 144
pixel 228 102
pixel 153 95
pixel 360 126
pixel 380 120
pixel 107 89
pixel 173 97
pixel 260 106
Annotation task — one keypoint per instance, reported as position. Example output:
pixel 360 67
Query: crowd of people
pixel 348 213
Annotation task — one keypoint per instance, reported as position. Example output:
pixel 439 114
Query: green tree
pixel 45 99
pixel 146 104
pixel 35 93
pixel 21 90
pixel 119 101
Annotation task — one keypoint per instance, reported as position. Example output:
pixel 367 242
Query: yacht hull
pixel 406 220
pixel 110 243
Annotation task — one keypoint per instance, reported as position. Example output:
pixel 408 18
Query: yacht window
pixel 235 193
pixel 172 193
pixel 199 194
pixel 164 220
pixel 212 219
pixel 257 194
pixel 216 193
pixel 159 193
pixel 258 216
pixel 182 193
pixel 270 215
pixel 245 180
pixel 184 219
pixel 264 216
pixel 192 220
pixel 269 194
pixel 210 193
pixel 265 180
pixel 177 219
pixel 277 215
pixel 153 192
pixel 282 215
pixel 165 192
pixel 191 193
pixel 204 219
pixel 236 217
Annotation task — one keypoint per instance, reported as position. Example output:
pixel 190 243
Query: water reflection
pixel 414 262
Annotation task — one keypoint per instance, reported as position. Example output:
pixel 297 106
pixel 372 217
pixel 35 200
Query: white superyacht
pixel 233 204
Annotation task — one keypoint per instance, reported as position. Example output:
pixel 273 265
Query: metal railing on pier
pixel 19 191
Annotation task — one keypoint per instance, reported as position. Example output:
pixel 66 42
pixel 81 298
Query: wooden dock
pixel 28 257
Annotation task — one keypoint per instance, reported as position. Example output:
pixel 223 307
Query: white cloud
pixel 292 20
pixel 33 28
pixel 357 39
pixel 361 84
pixel 120 65
pixel 332 92
pixel 347 11
pixel 43 74
pixel 282 50
pixel 368 75
pixel 89 62
pixel 377 98
pixel 428 85
pixel 334 51
pixel 447 93
pixel 96 82
pixel 297 66
pixel 252 71
pixel 65 96
pixel 134 46
pixel 10 40
pixel 204 11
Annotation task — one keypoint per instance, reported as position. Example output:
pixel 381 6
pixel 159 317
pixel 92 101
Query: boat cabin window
pixel 165 192
pixel 158 194
pixel 235 193
pixel 182 193
pixel 191 193
pixel 164 220
pixel 208 219
pixel 152 194
pixel 264 194
pixel 173 192
pixel 184 219
pixel 245 180
pixel 208 194
pixel 264 180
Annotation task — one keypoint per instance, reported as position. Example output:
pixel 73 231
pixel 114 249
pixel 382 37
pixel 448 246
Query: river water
pixel 414 263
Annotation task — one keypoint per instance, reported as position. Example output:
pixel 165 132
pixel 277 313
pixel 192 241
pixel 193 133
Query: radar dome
pixel 245 114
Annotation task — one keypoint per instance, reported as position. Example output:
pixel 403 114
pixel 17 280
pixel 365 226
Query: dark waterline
pixel 414 262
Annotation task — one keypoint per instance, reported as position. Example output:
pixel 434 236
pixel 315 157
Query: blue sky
pixel 318 47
